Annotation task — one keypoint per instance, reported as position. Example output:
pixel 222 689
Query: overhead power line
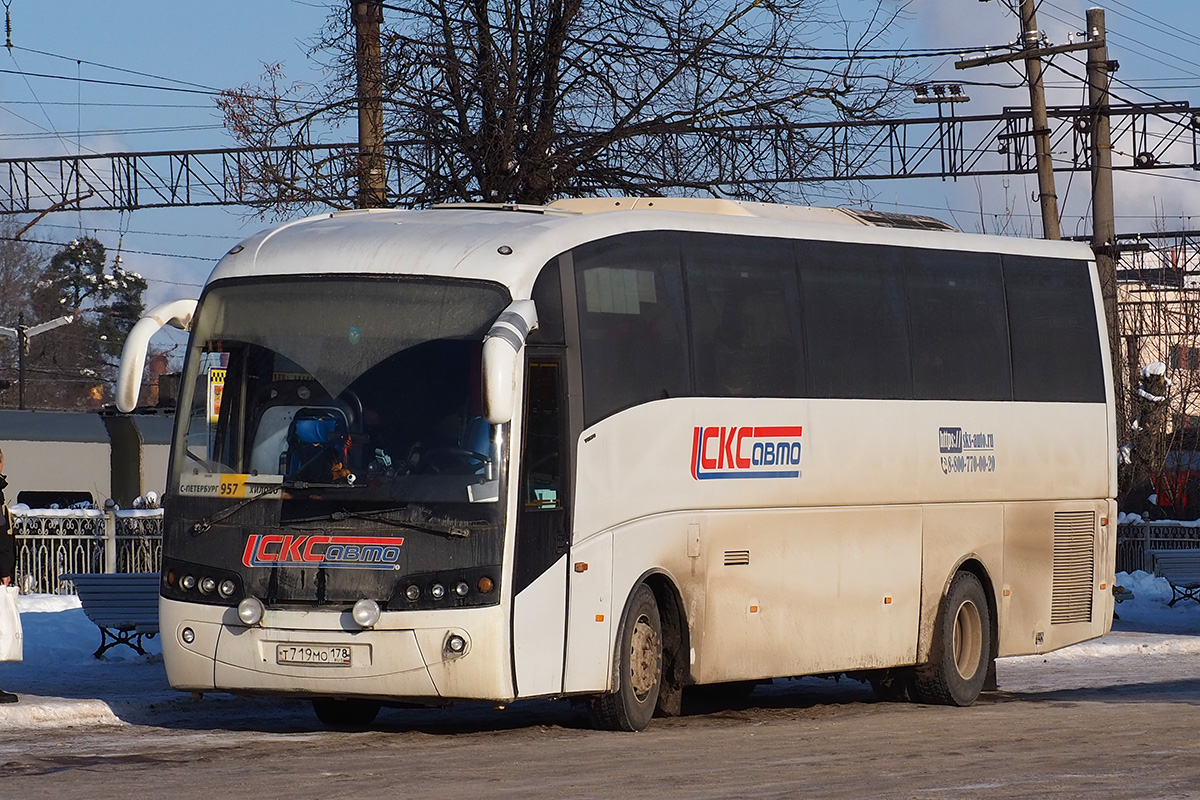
pixel 116 69
pixel 125 84
pixel 209 259
pixel 128 85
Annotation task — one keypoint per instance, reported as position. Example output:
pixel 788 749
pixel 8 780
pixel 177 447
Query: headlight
pixel 366 613
pixel 250 611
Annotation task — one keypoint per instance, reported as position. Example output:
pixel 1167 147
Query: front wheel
pixel 962 646
pixel 639 668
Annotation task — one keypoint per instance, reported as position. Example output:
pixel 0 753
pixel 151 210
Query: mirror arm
pixel 501 349
pixel 176 313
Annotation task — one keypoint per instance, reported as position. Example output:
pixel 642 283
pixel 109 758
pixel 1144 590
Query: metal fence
pixel 53 543
pixel 1134 543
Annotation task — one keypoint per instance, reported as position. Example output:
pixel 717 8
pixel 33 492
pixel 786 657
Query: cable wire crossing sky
pixel 80 77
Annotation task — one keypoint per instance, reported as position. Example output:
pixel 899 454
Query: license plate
pixel 313 655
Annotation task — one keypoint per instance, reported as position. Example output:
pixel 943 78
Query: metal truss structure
pixel 1145 137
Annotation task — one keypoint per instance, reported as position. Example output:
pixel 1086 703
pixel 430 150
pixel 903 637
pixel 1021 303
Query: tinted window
pixel 547 296
pixel 631 322
pixel 958 325
pixel 1055 339
pixel 743 301
pixel 855 322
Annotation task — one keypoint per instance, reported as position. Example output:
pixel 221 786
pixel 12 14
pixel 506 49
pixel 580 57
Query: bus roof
pixel 509 244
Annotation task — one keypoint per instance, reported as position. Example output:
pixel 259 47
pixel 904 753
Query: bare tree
pixel 528 100
pixel 1159 414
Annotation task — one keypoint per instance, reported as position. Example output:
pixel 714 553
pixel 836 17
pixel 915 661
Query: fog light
pixel 413 592
pixel 456 643
pixel 227 588
pixel 207 585
pixel 188 635
pixel 437 591
pixel 485 585
pixel 250 611
pixel 461 589
pixel 188 582
pixel 366 613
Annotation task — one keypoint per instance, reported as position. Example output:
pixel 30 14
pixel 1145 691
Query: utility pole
pixel 23 334
pixel 367 16
pixel 1031 39
pixel 1104 227
pixel 1031 53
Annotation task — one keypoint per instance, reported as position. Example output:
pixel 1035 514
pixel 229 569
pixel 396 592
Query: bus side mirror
pixel 178 314
pixel 501 352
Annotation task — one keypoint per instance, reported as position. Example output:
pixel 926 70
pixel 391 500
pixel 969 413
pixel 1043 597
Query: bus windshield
pixel 342 397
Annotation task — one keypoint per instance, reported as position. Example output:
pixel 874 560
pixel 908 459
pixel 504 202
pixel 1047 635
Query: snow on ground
pixel 60 683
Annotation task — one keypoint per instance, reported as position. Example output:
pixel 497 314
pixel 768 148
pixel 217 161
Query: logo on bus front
pixel 746 452
pixel 276 550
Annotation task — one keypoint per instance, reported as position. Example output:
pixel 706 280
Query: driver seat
pixel 318 444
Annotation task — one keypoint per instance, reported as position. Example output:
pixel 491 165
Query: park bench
pixel 124 606
pixel 1181 568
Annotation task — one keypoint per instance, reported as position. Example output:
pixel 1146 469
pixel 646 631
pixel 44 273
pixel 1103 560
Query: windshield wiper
pixel 204 524
pixel 412 517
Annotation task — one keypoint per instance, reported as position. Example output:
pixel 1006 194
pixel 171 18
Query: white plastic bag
pixel 11 638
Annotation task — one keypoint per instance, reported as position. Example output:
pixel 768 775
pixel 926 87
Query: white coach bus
pixel 612 448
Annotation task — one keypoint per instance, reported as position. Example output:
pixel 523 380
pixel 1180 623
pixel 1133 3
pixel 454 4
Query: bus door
pixel 543 536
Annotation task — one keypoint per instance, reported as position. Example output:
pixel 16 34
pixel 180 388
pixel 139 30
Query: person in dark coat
pixel 8 553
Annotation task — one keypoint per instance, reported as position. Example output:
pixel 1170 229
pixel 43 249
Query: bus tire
pixel 345 714
pixel 639 664
pixel 962 646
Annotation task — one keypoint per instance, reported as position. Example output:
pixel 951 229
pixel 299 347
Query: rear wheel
pixel 345 714
pixel 962 646
pixel 639 668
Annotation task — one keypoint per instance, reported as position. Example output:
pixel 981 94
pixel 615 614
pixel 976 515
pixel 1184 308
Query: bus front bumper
pixel 323 653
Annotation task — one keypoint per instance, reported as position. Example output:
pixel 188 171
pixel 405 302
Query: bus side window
pixel 632 324
pixel 745 317
pixel 855 320
pixel 541 472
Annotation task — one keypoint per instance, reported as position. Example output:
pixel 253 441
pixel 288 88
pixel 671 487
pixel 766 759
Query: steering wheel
pixel 448 461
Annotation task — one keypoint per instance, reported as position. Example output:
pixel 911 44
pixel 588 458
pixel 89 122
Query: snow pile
pixel 1136 519
pixel 60 682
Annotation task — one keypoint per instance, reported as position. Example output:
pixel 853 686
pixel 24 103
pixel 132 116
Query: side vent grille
pixel 1074 567
pixel 737 558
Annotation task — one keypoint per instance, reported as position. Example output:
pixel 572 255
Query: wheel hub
pixel 968 640
pixel 645 658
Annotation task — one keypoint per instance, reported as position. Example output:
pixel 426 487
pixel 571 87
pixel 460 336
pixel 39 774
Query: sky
pixel 218 44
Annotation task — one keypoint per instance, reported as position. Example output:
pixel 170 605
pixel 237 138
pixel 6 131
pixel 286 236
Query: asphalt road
pixel 1119 727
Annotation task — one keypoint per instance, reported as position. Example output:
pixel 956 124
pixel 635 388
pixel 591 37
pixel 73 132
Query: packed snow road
pixel 1121 724
pixel 1115 718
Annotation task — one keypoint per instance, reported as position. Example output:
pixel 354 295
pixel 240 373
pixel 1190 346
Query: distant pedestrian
pixel 8 553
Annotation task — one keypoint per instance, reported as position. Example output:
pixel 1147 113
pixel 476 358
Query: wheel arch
pixel 676 639
pixel 973 564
